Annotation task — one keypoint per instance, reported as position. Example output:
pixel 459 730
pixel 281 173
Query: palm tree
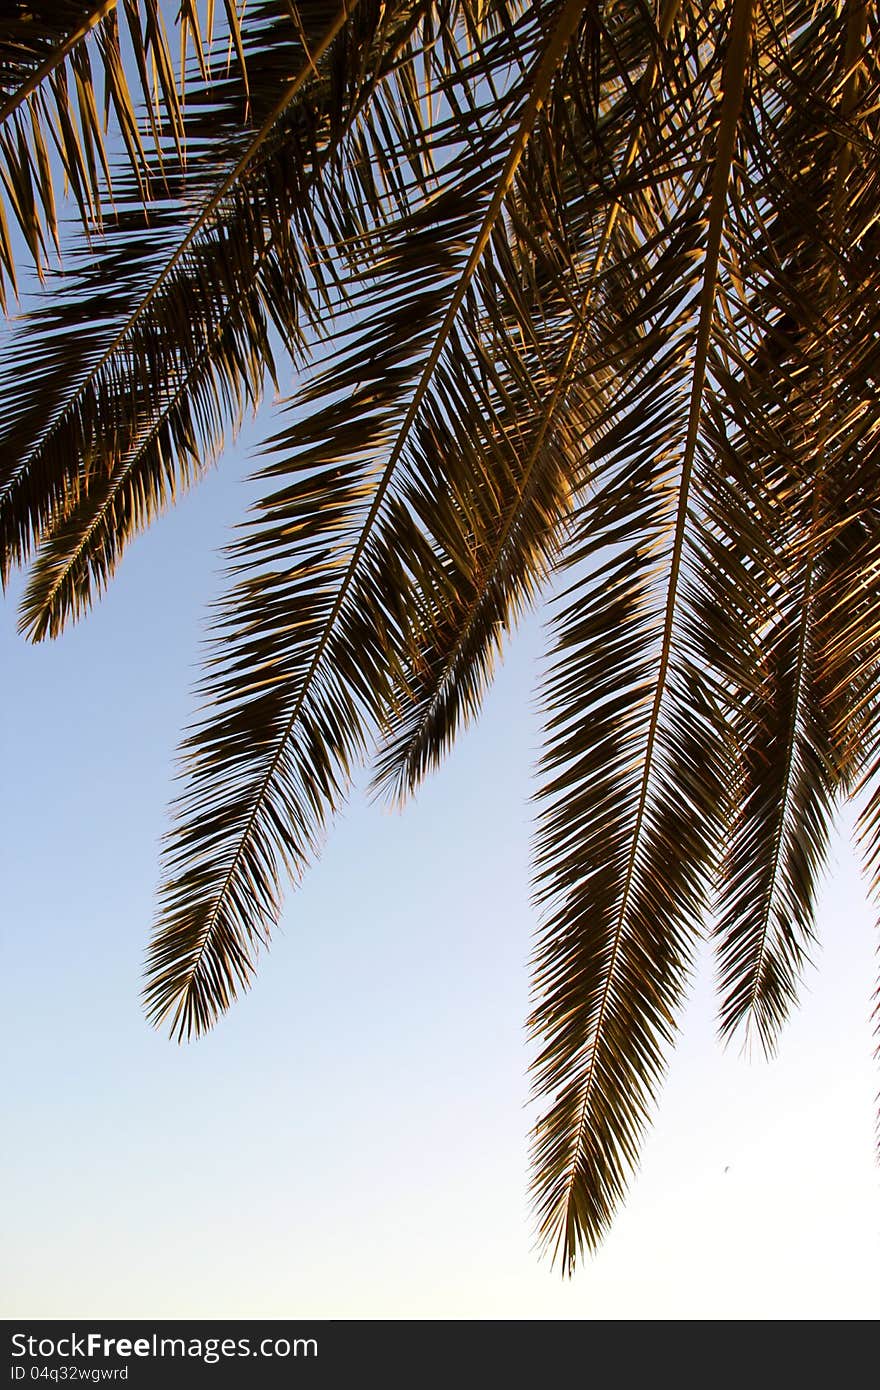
pixel 569 292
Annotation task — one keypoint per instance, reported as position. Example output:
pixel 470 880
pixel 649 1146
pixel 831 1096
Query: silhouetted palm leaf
pixel 581 295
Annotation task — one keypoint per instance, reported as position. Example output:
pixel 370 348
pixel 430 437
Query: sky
pixel 351 1140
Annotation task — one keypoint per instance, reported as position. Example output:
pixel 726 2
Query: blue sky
pixel 351 1140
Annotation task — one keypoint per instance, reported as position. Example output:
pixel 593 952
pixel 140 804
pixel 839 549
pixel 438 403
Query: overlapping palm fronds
pixel 50 105
pixel 581 293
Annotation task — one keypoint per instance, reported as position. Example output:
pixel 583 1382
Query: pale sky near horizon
pixel 351 1139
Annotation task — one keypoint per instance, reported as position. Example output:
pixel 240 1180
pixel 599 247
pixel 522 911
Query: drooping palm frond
pixel 237 252
pixel 787 516
pixel 626 827
pixel 75 398
pixel 521 447
pixel 577 292
pixel 266 775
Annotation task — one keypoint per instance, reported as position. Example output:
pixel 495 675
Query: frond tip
pixel 197 969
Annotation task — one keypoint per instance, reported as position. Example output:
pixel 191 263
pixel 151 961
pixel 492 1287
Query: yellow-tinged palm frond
pixel 521 451
pixel 54 110
pixel 575 292
pixel 182 296
pixel 789 520
pixel 314 618
pixel 628 820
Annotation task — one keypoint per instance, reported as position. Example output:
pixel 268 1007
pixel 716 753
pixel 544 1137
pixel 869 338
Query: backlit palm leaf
pixel 521 449
pixel 265 776
pixel 50 107
pixel 626 825
pixel 789 523
pixel 577 294
pixel 187 290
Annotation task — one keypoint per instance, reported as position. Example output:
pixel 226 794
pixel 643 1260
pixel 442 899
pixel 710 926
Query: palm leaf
pixel 49 109
pixel 785 519
pixel 264 778
pixel 165 297
pixel 540 416
pixel 626 827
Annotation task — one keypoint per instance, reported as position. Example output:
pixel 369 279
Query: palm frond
pixel 167 293
pixel 264 779
pixel 522 457
pixel 78 557
pixel 58 417
pixel 629 804
pixel 787 515
pixel 50 111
